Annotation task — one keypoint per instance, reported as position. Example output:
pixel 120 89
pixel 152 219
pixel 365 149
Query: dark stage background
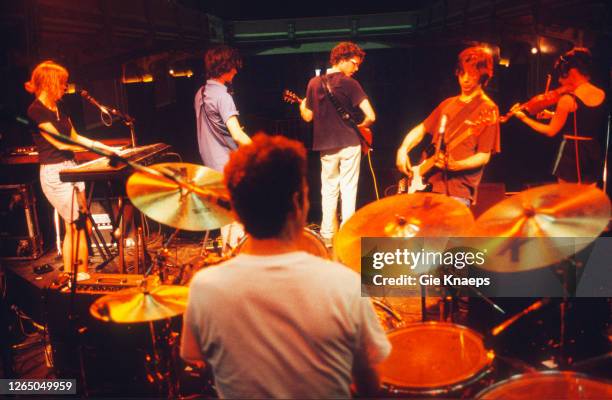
pixel 405 78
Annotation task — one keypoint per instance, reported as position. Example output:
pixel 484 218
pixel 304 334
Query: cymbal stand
pixel 81 225
pixel 161 257
pixel 450 296
pixel 567 272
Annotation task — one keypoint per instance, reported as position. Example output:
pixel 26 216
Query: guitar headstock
pixel 291 97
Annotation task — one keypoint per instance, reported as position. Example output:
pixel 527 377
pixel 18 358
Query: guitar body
pixel 417 182
pixel 365 139
pixel 364 134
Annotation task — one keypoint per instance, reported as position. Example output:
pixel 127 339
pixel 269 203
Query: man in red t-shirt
pixel 469 127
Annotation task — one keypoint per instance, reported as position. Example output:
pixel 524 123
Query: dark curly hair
pixel 578 57
pixel 262 178
pixel 345 51
pixel 476 59
pixel 221 59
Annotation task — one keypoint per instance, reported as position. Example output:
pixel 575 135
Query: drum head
pixel 309 242
pixel 548 385
pixel 432 357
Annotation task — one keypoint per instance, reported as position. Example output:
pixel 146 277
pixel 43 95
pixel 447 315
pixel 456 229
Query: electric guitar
pixel 417 180
pixel 364 134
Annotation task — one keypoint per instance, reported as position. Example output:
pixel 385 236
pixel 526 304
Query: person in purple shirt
pixel 219 132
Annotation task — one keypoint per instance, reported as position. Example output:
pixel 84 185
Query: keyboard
pixel 100 168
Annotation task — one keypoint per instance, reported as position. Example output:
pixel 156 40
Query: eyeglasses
pixel 355 62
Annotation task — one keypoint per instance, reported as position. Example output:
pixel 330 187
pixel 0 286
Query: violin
pixel 538 102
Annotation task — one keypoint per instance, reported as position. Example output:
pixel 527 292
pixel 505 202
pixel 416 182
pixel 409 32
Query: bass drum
pixel 434 359
pixel 309 242
pixel 556 385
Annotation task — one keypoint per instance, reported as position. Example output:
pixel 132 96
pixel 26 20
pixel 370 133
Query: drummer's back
pixel 279 326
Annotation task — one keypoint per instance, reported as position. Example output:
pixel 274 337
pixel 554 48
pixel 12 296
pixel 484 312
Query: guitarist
pixel 457 172
pixel 335 137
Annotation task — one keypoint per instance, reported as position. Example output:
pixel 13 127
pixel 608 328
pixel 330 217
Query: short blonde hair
pixel 50 77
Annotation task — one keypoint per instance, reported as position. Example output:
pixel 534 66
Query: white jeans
pixel 339 176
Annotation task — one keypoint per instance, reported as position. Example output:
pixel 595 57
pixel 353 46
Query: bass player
pixel 465 132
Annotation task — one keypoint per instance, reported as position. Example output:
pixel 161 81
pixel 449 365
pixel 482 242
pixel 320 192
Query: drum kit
pixel 428 358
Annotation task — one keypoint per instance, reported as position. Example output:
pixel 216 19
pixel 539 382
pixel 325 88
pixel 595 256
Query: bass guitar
pixel 417 180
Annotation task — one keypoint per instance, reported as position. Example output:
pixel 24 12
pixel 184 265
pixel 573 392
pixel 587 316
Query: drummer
pixel 276 321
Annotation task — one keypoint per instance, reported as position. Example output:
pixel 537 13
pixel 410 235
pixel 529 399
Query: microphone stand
pixel 124 117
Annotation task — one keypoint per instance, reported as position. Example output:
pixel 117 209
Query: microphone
pixel 85 94
pixel 441 131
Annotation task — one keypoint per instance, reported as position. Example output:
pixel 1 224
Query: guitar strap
pixel 344 115
pixel 456 123
pixel 221 140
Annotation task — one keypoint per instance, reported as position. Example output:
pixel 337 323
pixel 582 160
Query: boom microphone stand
pixel 124 117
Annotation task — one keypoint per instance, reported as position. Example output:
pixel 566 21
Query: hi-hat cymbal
pixel 552 213
pixel 164 201
pixel 140 305
pixel 403 216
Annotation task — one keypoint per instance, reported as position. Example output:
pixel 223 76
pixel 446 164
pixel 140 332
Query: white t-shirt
pixel 283 326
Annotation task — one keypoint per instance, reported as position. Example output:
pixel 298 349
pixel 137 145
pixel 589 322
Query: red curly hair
pixel 476 60
pixel 50 77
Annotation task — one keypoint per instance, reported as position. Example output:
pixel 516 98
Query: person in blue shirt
pixel 219 131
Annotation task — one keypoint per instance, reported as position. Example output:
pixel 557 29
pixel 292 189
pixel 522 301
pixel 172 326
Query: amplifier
pixel 20 237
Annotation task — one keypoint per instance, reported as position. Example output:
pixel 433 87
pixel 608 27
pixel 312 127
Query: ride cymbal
pixel 164 201
pixel 552 213
pixel 403 216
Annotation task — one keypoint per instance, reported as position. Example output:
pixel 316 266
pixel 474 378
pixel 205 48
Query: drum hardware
pixel 502 327
pixel 146 304
pixel 589 362
pixel 550 211
pixel 515 363
pixel 452 297
pixel 434 359
pixel 387 316
pixel 548 385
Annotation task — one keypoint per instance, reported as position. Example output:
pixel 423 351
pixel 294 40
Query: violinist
pixel 580 115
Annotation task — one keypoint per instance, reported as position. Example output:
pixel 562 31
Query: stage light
pixel 534 50
pixel 181 73
pixel 146 78
pixel 171 71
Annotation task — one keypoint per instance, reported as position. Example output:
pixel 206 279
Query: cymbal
pixel 140 305
pixel 404 216
pixel 164 201
pixel 552 213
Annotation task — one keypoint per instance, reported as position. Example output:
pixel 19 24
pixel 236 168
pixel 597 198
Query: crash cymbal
pixel 566 217
pixel 403 216
pixel 164 201
pixel 141 305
